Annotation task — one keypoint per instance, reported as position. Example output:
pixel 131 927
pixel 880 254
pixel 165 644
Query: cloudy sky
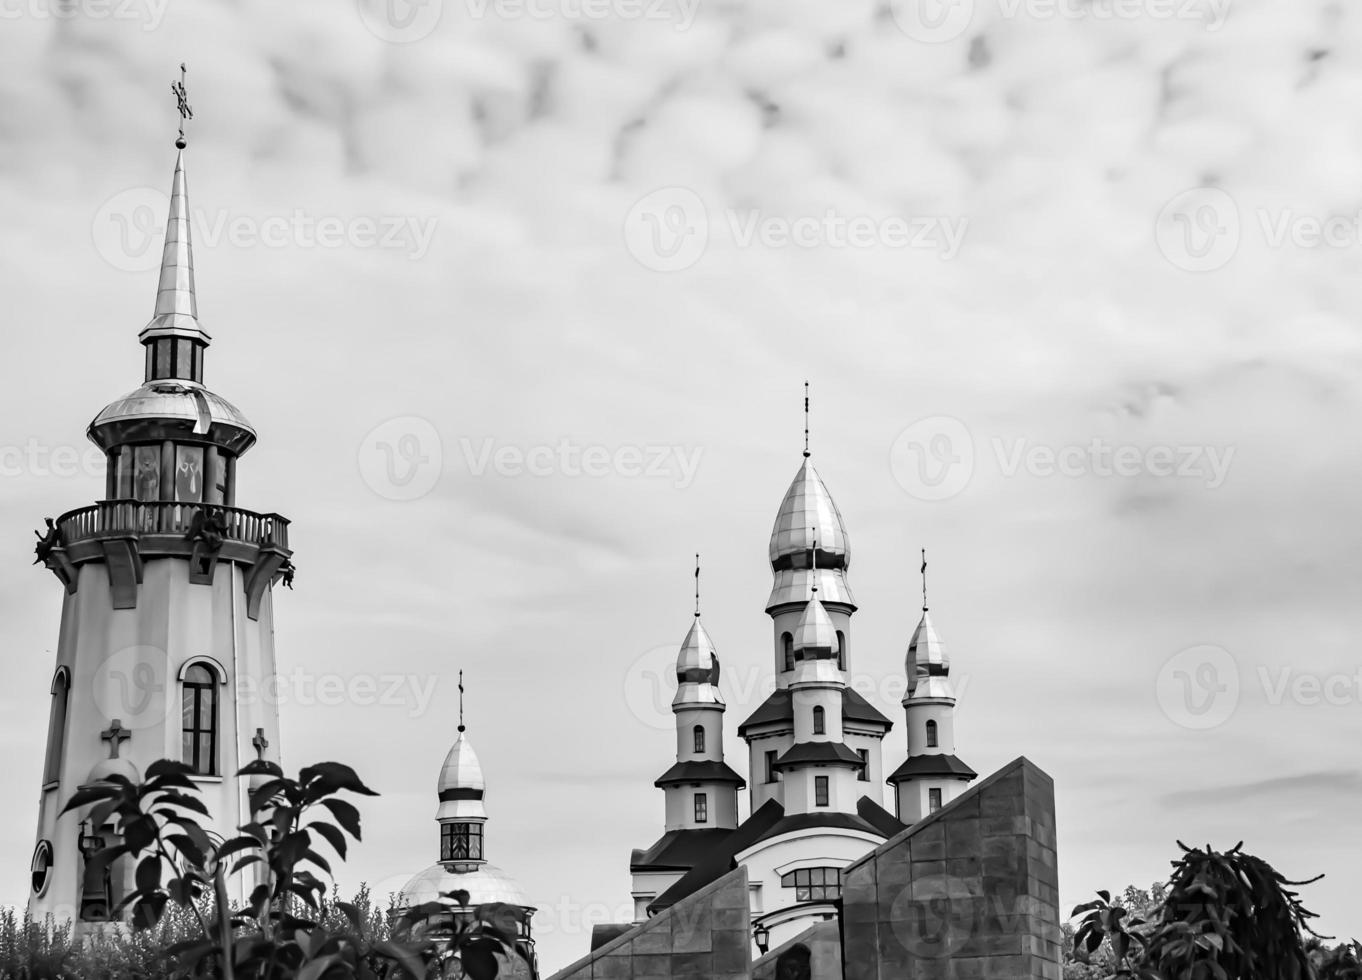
pixel 521 298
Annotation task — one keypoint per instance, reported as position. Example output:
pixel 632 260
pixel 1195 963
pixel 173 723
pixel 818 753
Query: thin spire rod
pixel 806 420
pixel 697 585
pixel 461 701
pixel 813 579
pixel 182 105
pixel 923 571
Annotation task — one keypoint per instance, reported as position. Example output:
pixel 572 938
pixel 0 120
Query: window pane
pixel 189 473
pixel 163 358
pixel 204 762
pixel 147 473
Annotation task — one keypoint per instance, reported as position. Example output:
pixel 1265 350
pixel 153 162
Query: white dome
pixel 461 770
pixel 485 883
pixel 806 513
pixel 105 768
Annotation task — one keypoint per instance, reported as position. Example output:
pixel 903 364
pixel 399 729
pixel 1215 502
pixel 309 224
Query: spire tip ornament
pixel 806 420
pixel 182 105
pixel 461 726
pixel 923 572
pixel 697 585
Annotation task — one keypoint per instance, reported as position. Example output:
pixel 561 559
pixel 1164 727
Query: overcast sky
pixel 521 299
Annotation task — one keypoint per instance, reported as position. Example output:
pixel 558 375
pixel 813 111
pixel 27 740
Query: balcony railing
pixel 116 517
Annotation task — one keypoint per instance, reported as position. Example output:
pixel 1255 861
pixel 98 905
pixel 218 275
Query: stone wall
pixel 703 935
pixel 969 893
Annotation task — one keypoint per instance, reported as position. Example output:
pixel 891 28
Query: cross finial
pixel 697 584
pixel 115 734
pixel 460 701
pixel 261 743
pixel 806 420
pixel 182 104
pixel 923 571
pixel 813 579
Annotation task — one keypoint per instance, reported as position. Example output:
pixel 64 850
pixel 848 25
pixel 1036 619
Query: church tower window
pixel 933 800
pixel 841 650
pixel 787 647
pixel 41 866
pixel 699 738
pixel 864 774
pixel 701 807
pixel 56 730
pixel 819 720
pixel 931 735
pixel 199 711
pixel 461 842
pixel 820 790
pixel 771 766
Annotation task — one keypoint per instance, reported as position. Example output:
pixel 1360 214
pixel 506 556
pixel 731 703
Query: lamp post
pixel 762 935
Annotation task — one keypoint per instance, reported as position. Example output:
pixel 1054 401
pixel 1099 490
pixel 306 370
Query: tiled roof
pixel 777 708
pixel 700 772
pixel 932 765
pixel 678 850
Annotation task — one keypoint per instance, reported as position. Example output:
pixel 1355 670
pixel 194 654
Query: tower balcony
pixel 124 533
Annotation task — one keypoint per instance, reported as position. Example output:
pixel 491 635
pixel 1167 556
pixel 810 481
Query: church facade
pixel 814 758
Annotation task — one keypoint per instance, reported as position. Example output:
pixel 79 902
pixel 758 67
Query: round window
pixel 42 866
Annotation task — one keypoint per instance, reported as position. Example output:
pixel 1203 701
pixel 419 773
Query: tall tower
pixel 931 776
pixel 810 553
pixel 700 789
pixel 167 627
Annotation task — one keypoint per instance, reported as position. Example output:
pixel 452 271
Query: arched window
pixel 699 738
pixel 56 725
pixel 787 645
pixel 819 720
pixel 931 734
pixel 841 650
pixel 199 713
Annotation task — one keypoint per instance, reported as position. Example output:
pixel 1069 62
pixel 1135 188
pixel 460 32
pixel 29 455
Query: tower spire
pixel 461 726
pixel 697 585
pixel 176 316
pixel 806 420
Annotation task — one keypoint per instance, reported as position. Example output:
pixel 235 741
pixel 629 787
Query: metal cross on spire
pixel 261 743
pixel 182 105
pixel 923 572
pixel 697 585
pixel 806 420
pixel 115 734
pixel 460 701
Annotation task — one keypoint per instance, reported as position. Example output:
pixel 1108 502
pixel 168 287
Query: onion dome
pixel 808 515
pixel 815 636
pixel 927 663
pixel 461 785
pixel 485 884
pixel 697 669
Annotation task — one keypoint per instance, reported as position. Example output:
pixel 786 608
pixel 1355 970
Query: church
pixel 814 746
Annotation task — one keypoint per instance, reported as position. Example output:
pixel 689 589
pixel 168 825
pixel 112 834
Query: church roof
pixel 807 515
pixel 778 708
pixel 485 884
pixel 700 771
pixel 817 753
pixel 177 312
pixel 941 764
pixel 678 850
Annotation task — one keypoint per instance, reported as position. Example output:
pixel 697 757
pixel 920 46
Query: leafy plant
pixel 1227 916
pixel 286 929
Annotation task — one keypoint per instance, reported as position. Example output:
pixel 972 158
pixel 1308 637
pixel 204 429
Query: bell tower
pixel 166 644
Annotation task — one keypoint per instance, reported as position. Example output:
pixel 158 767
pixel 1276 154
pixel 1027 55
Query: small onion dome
pixel 697 668
pixel 808 514
pixel 931 687
pixel 105 768
pixel 926 652
pixel 484 883
pixel 815 634
pixel 461 785
pixel 175 403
